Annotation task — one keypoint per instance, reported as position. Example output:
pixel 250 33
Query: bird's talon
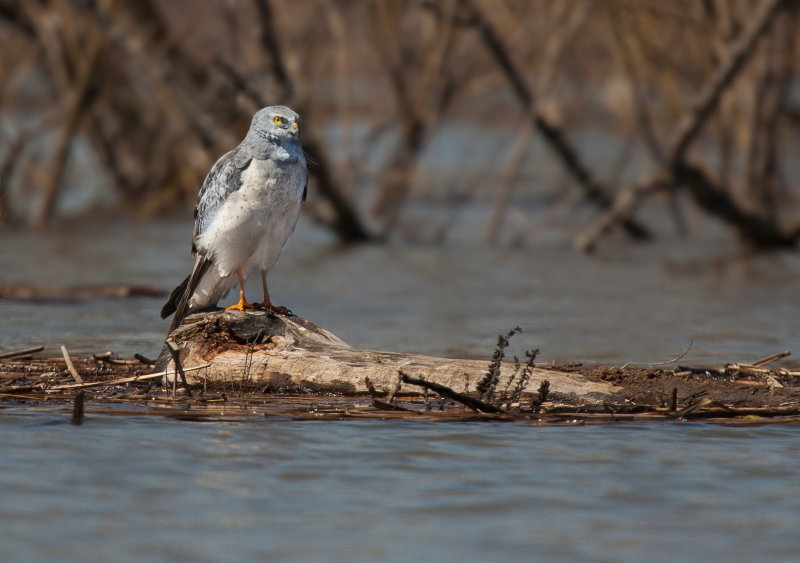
pixel 241 306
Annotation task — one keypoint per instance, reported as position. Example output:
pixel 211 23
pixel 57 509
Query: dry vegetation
pixel 700 97
pixel 735 394
pixel 743 394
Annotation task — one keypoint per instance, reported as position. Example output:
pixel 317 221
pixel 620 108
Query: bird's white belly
pixel 255 222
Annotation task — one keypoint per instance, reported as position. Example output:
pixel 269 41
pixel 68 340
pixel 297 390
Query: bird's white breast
pixel 254 223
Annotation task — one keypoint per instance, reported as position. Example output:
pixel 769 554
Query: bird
pixel 247 209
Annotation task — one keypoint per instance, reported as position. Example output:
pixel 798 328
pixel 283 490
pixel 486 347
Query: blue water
pixel 641 304
pixel 147 488
pixel 141 488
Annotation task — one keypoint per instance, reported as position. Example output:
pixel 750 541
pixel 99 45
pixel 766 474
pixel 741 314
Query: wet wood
pixel 70 366
pixel 281 352
pixel 254 364
pixel 23 352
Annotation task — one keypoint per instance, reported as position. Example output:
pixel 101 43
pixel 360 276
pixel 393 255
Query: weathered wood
pixel 283 352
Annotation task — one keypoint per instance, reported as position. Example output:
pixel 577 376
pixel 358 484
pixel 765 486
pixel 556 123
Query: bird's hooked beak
pixel 296 126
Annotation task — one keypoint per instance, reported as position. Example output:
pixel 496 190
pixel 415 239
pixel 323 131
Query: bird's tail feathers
pixel 174 298
pixel 188 286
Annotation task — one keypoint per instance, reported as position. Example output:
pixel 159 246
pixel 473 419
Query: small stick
pixel 24 352
pixel 693 407
pixel 77 409
pixel 664 363
pixel 673 400
pixel 124 379
pixel 384 406
pixel 379 404
pixel 106 358
pixel 397 385
pixel 75 375
pixel 673 360
pixel 474 404
pixel 772 358
pixel 176 357
pixel 144 359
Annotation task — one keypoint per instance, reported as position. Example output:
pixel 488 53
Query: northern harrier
pixel 247 209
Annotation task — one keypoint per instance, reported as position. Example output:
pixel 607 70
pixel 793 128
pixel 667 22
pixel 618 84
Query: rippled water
pixel 635 303
pixel 146 488
pixel 121 489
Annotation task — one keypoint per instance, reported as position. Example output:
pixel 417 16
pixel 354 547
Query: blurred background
pixel 620 178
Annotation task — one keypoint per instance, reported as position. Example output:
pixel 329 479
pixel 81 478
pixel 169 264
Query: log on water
pixel 282 352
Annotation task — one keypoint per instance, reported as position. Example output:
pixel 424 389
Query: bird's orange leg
pixel 267 304
pixel 242 304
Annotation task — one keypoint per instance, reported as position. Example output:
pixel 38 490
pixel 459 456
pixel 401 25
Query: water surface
pixel 127 489
pixel 631 303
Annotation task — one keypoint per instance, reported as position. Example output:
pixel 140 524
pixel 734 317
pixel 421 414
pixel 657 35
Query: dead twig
pixel 466 400
pixel 120 381
pixel 174 351
pixel 23 352
pixel 144 359
pixel 664 363
pixel 772 358
pixel 75 375
pixel 387 405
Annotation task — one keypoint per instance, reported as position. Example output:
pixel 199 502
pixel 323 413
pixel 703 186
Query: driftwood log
pixel 285 352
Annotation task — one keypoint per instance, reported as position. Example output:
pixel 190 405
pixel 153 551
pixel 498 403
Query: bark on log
pixel 284 352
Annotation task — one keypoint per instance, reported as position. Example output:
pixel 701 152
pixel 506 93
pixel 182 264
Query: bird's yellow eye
pixel 277 120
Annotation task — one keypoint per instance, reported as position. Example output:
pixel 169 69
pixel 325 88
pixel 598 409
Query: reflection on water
pixel 640 303
pixel 152 489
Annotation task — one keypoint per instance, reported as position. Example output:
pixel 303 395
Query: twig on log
pixel 132 379
pixel 144 359
pixel 664 363
pixel 772 358
pixel 387 405
pixel 24 352
pixel 693 407
pixel 466 400
pixel 75 375
pixel 176 357
pixel 395 389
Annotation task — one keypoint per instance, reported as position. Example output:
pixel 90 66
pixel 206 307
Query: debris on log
pixel 281 352
pixel 256 364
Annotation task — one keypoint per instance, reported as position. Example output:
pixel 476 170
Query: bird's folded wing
pixel 224 178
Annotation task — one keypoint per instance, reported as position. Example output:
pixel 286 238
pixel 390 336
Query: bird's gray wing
pixel 224 178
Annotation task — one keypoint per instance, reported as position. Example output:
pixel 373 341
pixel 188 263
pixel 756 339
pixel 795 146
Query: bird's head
pixel 277 124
